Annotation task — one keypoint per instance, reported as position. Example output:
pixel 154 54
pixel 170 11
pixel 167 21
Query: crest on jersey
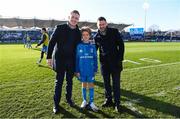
pixel 91 50
pixel 81 50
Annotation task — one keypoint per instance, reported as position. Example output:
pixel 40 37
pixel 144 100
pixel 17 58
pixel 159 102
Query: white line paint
pixel 46 81
pixel 177 88
pixel 136 101
pixel 132 62
pixel 150 60
pixel 130 105
pixel 151 66
pixel 162 93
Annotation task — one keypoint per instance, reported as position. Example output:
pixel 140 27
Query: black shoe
pixel 71 103
pixel 55 110
pixel 107 103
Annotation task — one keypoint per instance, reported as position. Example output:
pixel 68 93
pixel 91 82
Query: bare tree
pixel 154 28
pixel 18 21
pixel 35 22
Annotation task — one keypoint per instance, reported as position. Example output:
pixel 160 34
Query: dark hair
pixel 86 29
pixel 44 29
pixel 101 19
pixel 76 12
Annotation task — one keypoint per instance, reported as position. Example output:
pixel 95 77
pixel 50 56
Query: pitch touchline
pixel 130 69
pixel 23 83
pixel 151 66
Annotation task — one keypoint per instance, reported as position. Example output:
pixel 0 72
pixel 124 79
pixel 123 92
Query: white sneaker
pixel 39 61
pixel 84 103
pixel 93 107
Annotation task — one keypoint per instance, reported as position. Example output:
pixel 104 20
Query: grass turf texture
pixel 148 89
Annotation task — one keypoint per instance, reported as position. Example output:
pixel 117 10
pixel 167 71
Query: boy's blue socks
pixel 91 95
pixel 84 93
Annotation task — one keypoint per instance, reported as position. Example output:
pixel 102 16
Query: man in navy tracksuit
pixel 111 47
pixel 63 42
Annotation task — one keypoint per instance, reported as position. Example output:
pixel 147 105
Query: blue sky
pixel 164 13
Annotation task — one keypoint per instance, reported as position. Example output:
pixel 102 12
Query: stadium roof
pixel 27 23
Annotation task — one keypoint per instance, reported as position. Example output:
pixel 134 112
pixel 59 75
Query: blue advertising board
pixel 137 33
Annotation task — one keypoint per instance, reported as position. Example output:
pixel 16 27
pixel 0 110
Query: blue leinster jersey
pixel 86 59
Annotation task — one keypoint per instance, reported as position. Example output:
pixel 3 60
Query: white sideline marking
pixel 150 60
pixel 131 61
pixel 151 66
pixel 162 93
pixel 177 88
pixel 136 101
pixel 46 81
pixel 130 105
pixel 24 83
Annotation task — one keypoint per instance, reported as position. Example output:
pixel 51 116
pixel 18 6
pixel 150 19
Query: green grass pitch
pixel 150 84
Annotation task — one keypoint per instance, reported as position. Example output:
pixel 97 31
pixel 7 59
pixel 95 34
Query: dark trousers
pixel 109 74
pixel 42 54
pixel 69 72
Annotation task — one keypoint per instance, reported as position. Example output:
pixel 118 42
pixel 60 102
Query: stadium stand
pixel 13 30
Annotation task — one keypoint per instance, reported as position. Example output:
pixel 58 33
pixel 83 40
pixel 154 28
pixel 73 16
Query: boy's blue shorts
pixel 87 79
pixel 44 49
